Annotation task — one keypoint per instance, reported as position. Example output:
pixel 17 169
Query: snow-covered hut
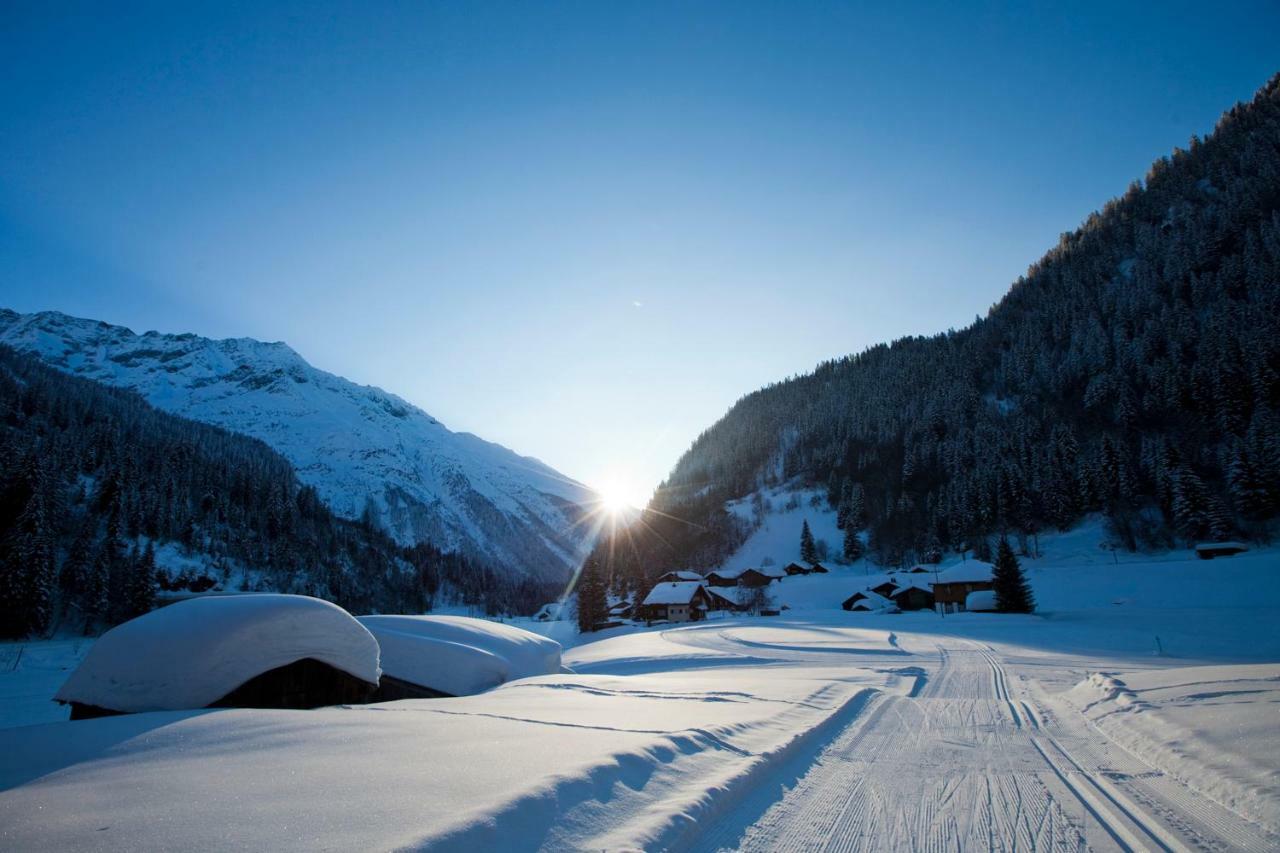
pixel 679 601
pixel 552 612
pixel 796 569
pixel 867 600
pixel 1209 550
pixel 912 594
pixel 723 577
pixel 817 569
pixel 427 656
pixel 233 651
pixel 672 577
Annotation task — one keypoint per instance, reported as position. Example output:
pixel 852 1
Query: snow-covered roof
pixel 193 653
pixel 969 571
pixel 551 611
pixel 735 595
pixel 1214 546
pixel 460 655
pixel 983 599
pixel 771 571
pixel 911 583
pixel 682 576
pixel 870 601
pixel 727 574
pixel 673 592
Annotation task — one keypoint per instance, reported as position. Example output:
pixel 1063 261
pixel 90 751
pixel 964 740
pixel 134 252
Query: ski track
pixel 974 761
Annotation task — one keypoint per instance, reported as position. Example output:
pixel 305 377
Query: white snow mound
pixel 459 655
pixel 192 653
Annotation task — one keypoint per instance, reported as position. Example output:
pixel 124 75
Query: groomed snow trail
pixel 973 762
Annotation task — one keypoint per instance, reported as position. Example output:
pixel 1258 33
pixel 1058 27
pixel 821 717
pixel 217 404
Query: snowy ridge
pixel 357 445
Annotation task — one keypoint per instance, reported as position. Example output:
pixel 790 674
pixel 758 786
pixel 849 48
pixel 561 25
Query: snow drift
pixel 193 653
pixel 458 655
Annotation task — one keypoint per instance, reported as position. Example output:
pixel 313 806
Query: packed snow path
pixel 971 761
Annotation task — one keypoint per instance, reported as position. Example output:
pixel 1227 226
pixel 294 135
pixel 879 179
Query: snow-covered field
pixel 817 728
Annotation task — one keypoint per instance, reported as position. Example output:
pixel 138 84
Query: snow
pixel 459 655
pixel 1061 730
pixel 980 600
pixel 353 443
pixel 674 592
pixel 192 653
pixel 681 576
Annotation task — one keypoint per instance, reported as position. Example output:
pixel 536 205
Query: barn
pixel 818 569
pixel 678 601
pixel 727 598
pixel 955 583
pixel 225 651
pixel 796 569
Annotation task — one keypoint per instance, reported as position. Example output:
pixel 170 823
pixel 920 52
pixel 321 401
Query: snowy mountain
pixel 360 446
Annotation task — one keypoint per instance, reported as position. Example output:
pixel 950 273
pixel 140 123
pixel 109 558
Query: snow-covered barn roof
pixel 459 655
pixel 726 574
pixel 771 571
pixel 673 592
pixel 681 576
pixel 906 584
pixel 970 571
pixel 195 652
pixel 869 601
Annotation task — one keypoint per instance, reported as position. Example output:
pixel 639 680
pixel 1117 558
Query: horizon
pixel 622 219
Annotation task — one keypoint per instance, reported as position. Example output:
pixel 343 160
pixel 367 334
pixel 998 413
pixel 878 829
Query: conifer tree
pixel 592 606
pixel 852 545
pixel 808 550
pixel 1013 594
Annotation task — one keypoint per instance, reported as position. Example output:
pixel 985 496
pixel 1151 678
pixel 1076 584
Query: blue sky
pixel 580 229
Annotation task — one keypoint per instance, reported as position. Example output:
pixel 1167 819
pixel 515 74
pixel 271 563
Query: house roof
pixel 673 592
pixel 969 571
pixel 768 571
pixel 727 574
pixel 683 575
pixel 910 584
pixel 1213 546
pixel 868 601
pixel 734 595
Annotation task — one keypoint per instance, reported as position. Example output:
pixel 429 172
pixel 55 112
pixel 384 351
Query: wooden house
pixel 955 583
pixel 727 598
pixel 796 569
pixel 912 595
pixel 884 589
pixel 674 577
pixel 675 601
pixel 760 577
pixel 723 577
pixel 818 569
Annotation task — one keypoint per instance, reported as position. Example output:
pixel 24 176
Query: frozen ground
pixel 818 729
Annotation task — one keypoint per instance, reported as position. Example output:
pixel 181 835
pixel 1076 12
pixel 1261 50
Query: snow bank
pixel 459 655
pixel 195 652
pixel 981 600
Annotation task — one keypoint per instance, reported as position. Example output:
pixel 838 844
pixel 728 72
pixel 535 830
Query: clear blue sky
pixel 582 230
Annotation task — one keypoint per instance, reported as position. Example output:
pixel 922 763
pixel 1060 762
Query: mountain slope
pixel 360 447
pixel 1134 370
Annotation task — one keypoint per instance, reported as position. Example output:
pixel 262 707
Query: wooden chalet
pixel 674 577
pixel 723 577
pixel 796 569
pixel 955 583
pixel 760 577
pixel 727 598
pixel 884 589
pixel 675 601
pixel 912 595
pixel 817 569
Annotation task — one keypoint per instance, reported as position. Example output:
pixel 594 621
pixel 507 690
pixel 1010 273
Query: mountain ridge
pixel 367 451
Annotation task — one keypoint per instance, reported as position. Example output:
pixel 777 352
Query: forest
pixel 1133 371
pixel 93 480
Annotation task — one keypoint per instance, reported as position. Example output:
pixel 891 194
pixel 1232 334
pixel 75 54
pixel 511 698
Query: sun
pixel 617 496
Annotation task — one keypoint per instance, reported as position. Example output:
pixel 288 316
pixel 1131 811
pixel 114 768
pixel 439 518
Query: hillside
pixel 362 449
pixel 1134 371
pixel 106 501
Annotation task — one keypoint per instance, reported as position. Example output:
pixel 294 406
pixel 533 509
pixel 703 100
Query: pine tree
pixel 852 545
pixel 808 550
pixel 1013 594
pixel 592 607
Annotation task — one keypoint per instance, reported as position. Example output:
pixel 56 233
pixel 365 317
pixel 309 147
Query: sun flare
pixel 616 496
